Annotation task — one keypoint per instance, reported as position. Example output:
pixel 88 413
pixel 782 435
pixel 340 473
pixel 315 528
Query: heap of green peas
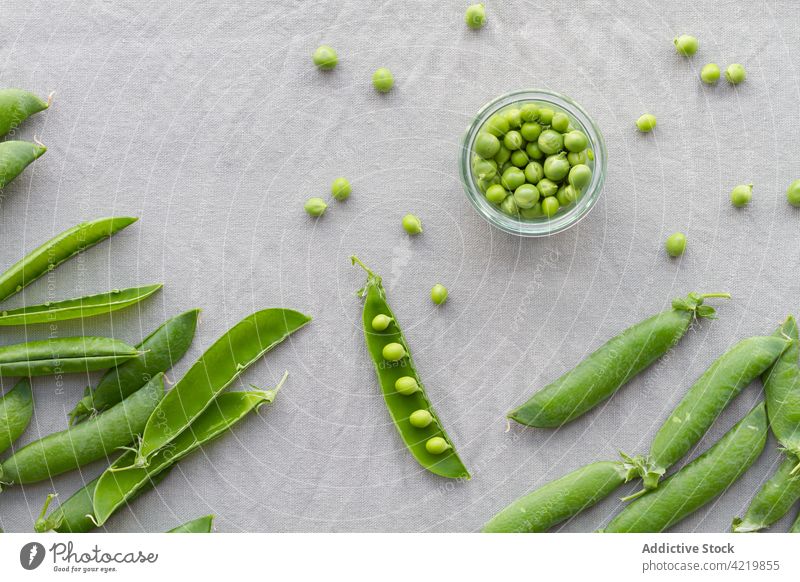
pixel 531 161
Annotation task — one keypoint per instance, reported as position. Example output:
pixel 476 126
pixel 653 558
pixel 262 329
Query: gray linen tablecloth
pixel 208 121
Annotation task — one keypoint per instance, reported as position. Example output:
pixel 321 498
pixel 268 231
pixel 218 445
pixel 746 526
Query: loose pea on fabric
pixel 475 17
pixel 383 80
pixel 325 58
pixel 611 366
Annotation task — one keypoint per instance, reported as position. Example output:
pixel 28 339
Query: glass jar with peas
pixel 533 162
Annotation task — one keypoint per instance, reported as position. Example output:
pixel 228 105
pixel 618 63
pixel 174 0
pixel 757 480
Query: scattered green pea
pixel 412 224
pixel 686 45
pixel 394 352
pixel 793 193
pixel 646 122
pixel 497 125
pixel 534 172
pixel 485 169
pixel 550 142
pixel 526 196
pixel 487 145
pixel 503 154
pixel 531 213
pixel 556 167
pixel 509 206
pixel 519 159
pixel 560 122
pixel 709 74
pixel 406 385
pixel 546 115
pixel 340 189
pixel 550 206
pixel 735 74
pixel 315 206
pixel 420 418
pixel 513 117
pixel 381 322
pixel 741 195
pixel 547 187
pixel 475 16
pixel 529 112
pixel 676 244
pixel 512 178
pixel 439 294
pixel 580 176
pixel 513 140
pixel 576 141
pixel 496 194
pixel 436 445
pixel 325 58
pixel 531 130
pixel 533 151
pixel 575 158
pixel 383 80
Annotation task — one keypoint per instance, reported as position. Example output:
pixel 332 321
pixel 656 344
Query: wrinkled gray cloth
pixel 212 125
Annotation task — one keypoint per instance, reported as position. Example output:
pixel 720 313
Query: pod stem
pixel 633 496
pixel 356 261
pixel 43 524
pixel 716 295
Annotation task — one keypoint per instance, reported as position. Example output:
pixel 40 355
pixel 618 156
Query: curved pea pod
pixel 63 356
pixel 199 525
pixel 782 389
pixel 401 406
pixel 15 156
pixel 615 363
pixel 95 439
pixel 774 500
pixel 704 402
pixel 76 514
pixel 57 250
pixel 17 105
pixel 81 307
pixel 124 479
pixel 699 482
pixel 160 351
pixel 796 525
pixel 16 410
pixel 234 352
pixel 559 500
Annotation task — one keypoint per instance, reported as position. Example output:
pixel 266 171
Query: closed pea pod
pixel 699 482
pixel 16 410
pixel 15 156
pixel 124 480
pixel 612 365
pixel 705 401
pixel 95 439
pixel 234 352
pixel 63 356
pixel 796 525
pixel 199 525
pixel 559 500
pixel 160 351
pixel 782 391
pixel 57 250
pixel 17 105
pixel 429 444
pixel 81 307
pixel 774 500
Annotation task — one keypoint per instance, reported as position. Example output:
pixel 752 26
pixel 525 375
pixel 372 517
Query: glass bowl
pixel 535 226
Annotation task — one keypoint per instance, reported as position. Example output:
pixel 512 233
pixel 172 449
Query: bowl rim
pixel 537 227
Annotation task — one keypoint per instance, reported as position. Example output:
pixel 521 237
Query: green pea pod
pixel 79 308
pixel 704 402
pixel 15 156
pixel 699 482
pixel 95 439
pixel 445 463
pixel 615 363
pixel 123 480
pixel 75 515
pixel 774 500
pixel 161 350
pixel 63 356
pixel 16 410
pixel 559 500
pixel 17 105
pixel 796 525
pixel 782 389
pixel 199 525
pixel 217 368
pixel 57 250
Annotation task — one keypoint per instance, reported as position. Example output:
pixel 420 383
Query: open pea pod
pixel 16 410
pixel 612 365
pixel 15 156
pixel 160 351
pixel 699 482
pixel 57 250
pixel 406 405
pixel 63 356
pixel 239 348
pixel 17 105
pixel 123 480
pixel 79 445
pixel 199 525
pixel 80 307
